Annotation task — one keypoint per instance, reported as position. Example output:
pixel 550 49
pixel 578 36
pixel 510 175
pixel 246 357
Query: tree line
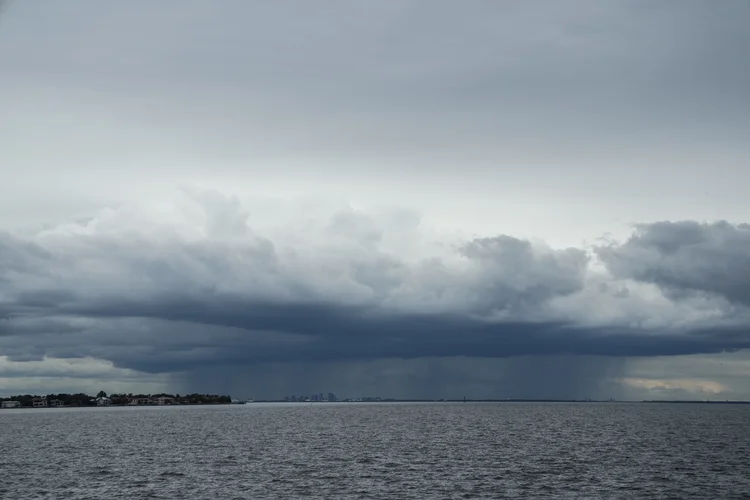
pixel 81 399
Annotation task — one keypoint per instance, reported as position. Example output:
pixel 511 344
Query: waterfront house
pixel 140 401
pixel 57 403
pixel 10 404
pixel 39 402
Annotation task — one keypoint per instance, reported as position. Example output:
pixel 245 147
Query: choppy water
pixel 388 451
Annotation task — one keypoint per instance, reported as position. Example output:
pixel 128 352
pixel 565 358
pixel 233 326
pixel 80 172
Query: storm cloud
pixel 687 257
pixel 160 302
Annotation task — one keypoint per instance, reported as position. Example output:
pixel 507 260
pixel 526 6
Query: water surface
pixel 461 450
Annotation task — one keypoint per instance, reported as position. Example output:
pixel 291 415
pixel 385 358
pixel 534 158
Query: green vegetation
pixel 189 399
pixel 80 399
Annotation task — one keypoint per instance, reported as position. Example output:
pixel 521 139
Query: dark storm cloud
pixel 332 332
pixel 168 305
pixel 308 315
pixel 687 256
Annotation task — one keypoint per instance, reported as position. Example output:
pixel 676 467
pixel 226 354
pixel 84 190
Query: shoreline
pixel 270 401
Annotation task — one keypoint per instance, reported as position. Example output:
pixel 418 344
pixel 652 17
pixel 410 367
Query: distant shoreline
pixel 392 400
pixel 386 400
pixel 78 400
pixel 116 406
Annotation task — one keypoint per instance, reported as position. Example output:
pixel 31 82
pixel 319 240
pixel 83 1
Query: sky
pixel 405 199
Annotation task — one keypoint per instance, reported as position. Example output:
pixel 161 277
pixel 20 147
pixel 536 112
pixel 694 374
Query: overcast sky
pixel 414 198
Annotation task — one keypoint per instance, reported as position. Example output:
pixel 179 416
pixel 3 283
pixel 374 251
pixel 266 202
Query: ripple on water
pixel 378 451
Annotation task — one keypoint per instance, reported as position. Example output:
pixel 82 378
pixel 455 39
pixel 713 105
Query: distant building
pixel 103 401
pixel 57 403
pixel 10 404
pixel 140 401
pixel 332 397
pixel 39 402
pixel 163 400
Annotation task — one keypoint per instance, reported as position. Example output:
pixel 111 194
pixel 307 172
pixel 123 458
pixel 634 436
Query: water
pixel 387 451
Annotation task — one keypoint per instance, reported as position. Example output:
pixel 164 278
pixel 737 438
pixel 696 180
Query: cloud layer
pixel 687 257
pixel 147 293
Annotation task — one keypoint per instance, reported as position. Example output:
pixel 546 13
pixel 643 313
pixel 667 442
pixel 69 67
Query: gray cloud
pixel 228 296
pixel 687 257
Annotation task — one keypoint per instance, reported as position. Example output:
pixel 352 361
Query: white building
pixel 103 401
pixel 40 402
pixel 57 403
pixel 10 404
